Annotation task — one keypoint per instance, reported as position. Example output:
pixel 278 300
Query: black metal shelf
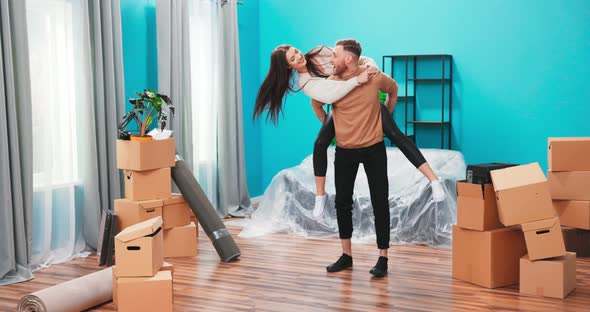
pixel 411 79
pixel 429 79
pixel 427 122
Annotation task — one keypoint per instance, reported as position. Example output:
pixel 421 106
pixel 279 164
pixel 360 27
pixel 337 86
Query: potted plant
pixel 146 108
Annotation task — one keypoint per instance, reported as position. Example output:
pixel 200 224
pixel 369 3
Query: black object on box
pixel 480 173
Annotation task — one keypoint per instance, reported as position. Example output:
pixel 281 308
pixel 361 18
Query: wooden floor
pixel 287 273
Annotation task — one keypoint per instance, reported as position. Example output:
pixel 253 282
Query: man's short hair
pixel 351 46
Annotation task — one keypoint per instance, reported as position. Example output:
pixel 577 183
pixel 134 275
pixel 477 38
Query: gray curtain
pixel 234 199
pixel 174 68
pixel 101 172
pixel 174 77
pixel 16 150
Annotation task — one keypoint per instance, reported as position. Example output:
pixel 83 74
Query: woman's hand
pixel 363 77
pixel 372 70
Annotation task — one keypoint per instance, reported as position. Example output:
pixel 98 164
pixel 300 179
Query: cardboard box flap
pixel 469 189
pixel 517 176
pixel 175 199
pixel 539 225
pixel 568 139
pixel 151 204
pixel 141 229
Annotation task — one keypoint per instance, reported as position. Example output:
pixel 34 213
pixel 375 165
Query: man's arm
pixel 318 109
pixel 389 86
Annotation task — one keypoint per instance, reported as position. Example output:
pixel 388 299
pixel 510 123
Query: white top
pixel 328 91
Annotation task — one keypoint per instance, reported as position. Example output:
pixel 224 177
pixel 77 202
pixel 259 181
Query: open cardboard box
pixel 139 249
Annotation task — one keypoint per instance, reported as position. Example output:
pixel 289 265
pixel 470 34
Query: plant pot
pixel 141 138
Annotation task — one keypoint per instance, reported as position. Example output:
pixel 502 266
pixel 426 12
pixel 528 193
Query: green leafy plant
pixel 382 97
pixel 147 108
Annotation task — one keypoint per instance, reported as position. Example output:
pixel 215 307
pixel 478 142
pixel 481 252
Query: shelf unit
pixel 409 95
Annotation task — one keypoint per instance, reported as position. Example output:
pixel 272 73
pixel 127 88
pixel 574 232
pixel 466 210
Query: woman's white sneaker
pixel 320 206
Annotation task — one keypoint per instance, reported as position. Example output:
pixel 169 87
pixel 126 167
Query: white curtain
pixel 206 92
pixel 61 87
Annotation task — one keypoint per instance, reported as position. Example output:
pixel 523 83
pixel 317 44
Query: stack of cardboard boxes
pixel 498 223
pixel 141 281
pixel 154 224
pixel 148 194
pixel 569 181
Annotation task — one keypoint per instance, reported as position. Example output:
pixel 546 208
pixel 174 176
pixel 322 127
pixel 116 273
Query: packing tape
pixel 215 235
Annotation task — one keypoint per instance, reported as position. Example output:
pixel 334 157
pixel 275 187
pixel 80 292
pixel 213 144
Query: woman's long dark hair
pixel 279 82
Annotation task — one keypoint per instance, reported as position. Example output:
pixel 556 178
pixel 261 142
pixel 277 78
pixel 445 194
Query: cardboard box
pixel 165 267
pixel 175 212
pixel 544 239
pixel 522 194
pixel 131 212
pixel 569 185
pixel 476 207
pixel 146 155
pixel 489 259
pixel 554 278
pixel 153 293
pixel 180 242
pixel 573 213
pixel 577 241
pixel 139 249
pixel 150 184
pixel 569 154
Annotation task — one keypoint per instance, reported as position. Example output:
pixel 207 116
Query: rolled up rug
pixel 203 209
pixel 76 295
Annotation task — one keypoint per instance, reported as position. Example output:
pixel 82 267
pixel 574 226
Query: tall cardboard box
pixel 152 293
pixel 139 249
pixel 573 213
pixel 569 154
pixel 180 242
pixel 165 267
pixel 175 212
pixel 149 184
pixel 489 259
pixel 131 212
pixel 544 239
pixel 569 185
pixel 146 155
pixel 476 207
pixel 522 194
pixel 554 278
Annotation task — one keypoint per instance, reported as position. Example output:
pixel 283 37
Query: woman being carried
pixel 313 68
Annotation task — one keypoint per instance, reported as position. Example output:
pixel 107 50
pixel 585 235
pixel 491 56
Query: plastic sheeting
pixel 288 201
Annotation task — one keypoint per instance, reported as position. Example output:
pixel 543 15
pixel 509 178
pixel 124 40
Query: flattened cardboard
pixel 139 249
pixel 476 207
pixel 130 212
pixel 149 184
pixel 569 154
pixel 544 239
pixel 569 185
pixel 180 242
pixel 489 258
pixel 146 155
pixel 154 293
pixel 522 194
pixel 176 212
pixel 573 213
pixel 554 278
